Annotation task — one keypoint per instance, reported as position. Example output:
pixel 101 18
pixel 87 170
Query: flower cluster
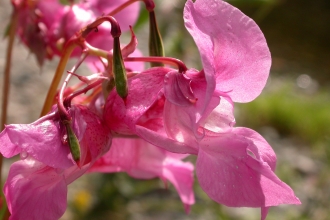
pixel 45 26
pixel 144 121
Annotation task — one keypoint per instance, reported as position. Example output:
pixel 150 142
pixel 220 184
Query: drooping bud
pixel 73 142
pixel 119 70
pixel 156 47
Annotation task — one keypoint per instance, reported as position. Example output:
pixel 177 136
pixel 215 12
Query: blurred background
pixel 292 113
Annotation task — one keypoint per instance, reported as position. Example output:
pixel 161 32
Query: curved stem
pixel 5 95
pixel 96 51
pixel 122 6
pixel 61 108
pixel 57 77
pixel 166 60
pixel 68 99
pixel 6 81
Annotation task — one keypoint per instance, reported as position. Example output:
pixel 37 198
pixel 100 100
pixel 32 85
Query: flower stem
pixel 68 99
pixel 61 108
pixel 6 81
pixel 122 6
pixel 166 60
pixel 5 94
pixel 57 77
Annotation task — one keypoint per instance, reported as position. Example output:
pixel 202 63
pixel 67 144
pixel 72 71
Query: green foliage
pixel 291 111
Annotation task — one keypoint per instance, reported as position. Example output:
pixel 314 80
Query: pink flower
pixel 45 26
pixel 36 187
pixel 144 161
pixel 193 113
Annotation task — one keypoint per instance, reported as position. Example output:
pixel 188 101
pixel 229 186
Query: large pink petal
pixel 232 47
pixel 260 147
pixel 179 125
pixel 35 191
pixel 221 119
pixel 230 176
pixel 42 141
pixel 142 160
pixel 160 139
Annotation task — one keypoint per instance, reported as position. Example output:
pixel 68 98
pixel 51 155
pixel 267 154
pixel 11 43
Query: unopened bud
pixel 73 142
pixel 118 69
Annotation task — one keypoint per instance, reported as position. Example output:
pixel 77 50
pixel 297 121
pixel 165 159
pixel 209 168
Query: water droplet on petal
pixel 24 155
pixel 232 124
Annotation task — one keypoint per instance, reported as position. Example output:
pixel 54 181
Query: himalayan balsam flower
pixel 36 187
pixel 193 113
pixel 166 115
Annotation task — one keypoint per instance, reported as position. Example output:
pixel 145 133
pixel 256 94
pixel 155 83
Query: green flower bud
pixel 73 142
pixel 119 70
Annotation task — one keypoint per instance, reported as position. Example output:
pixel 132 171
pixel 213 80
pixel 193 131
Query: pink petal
pixel 264 212
pixel 232 47
pixel 221 119
pixel 230 176
pixel 182 117
pixel 7 148
pixel 260 147
pixel 35 191
pixel 160 139
pixel 177 89
pixel 179 125
pixel 96 140
pixel 144 161
pixel 51 11
pixel 41 141
pixel 180 174
pixel 144 91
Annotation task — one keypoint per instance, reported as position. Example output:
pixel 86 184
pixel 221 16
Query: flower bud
pixel 119 70
pixel 73 142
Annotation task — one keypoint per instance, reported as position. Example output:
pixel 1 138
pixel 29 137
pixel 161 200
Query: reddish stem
pixel 115 28
pixel 150 5
pixel 64 115
pixel 6 86
pixel 72 43
pixel 68 99
pixel 6 81
pixel 166 60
